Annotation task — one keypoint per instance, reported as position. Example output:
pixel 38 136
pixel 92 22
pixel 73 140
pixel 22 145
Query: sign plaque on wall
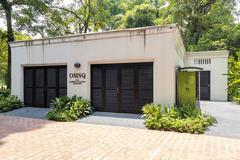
pixel 77 78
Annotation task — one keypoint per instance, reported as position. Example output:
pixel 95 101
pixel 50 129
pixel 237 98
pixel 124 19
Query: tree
pixel 4 52
pixel 217 26
pixel 7 6
pixel 83 16
pixel 205 24
pixel 189 14
pixel 3 56
pixel 233 40
pixel 140 16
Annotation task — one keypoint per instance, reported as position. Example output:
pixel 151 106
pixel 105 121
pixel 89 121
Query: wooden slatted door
pixel 51 85
pixel 39 87
pixel 121 87
pixel 111 89
pixel 127 89
pixel 145 85
pixel 43 84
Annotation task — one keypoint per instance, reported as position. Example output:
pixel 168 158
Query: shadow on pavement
pixel 29 112
pixel 114 119
pixel 12 124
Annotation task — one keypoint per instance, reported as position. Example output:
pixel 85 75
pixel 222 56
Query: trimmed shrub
pixel 180 119
pixel 9 102
pixel 69 109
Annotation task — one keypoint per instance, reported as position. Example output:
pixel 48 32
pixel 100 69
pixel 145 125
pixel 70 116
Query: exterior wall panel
pixel 218 70
pixel 154 44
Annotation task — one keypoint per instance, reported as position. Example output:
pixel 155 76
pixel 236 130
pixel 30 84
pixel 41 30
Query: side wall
pixel 180 55
pixel 152 45
pixel 180 51
pixel 218 67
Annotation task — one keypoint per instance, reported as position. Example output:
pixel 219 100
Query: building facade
pixel 213 76
pixel 119 71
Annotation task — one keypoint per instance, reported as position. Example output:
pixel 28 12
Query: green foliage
pixel 32 16
pixel 236 99
pixel 180 119
pixel 140 16
pixel 69 109
pixel 9 102
pixel 79 17
pixel 188 112
pixel 233 39
pixel 234 78
pixel 205 24
pixel 4 92
pixel 4 52
pixel 3 56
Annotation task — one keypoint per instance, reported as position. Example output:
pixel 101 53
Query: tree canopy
pixel 4 52
pixel 205 24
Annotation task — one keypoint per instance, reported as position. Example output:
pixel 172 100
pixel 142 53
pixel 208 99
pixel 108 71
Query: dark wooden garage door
pixel 121 87
pixel 43 84
pixel 204 85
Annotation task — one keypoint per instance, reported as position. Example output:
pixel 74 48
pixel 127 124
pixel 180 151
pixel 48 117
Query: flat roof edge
pixel 224 53
pixel 99 35
pixel 210 52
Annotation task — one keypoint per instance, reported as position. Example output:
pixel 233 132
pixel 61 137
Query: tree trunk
pixel 86 24
pixel 10 37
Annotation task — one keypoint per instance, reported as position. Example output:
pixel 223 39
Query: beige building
pixel 119 71
pixel 214 78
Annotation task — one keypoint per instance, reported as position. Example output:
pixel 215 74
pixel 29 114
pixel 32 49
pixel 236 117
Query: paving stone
pixel 36 139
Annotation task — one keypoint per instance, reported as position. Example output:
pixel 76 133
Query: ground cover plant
pixel 9 102
pixel 180 119
pixel 69 108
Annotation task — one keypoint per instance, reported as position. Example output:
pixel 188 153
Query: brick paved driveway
pixel 33 139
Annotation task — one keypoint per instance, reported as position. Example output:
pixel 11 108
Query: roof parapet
pixel 223 53
pixel 97 35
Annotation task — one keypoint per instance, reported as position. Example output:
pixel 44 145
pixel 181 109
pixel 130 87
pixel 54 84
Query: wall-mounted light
pixel 77 65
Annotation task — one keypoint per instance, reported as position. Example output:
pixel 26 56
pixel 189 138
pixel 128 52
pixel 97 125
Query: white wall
pixel 180 54
pixel 153 44
pixel 218 68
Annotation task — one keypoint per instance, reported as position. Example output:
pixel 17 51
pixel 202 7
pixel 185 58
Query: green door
pixel 186 88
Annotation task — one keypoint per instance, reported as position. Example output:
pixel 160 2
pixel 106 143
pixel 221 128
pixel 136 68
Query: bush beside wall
pixel 9 102
pixel 234 78
pixel 69 109
pixel 237 99
pixel 180 119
